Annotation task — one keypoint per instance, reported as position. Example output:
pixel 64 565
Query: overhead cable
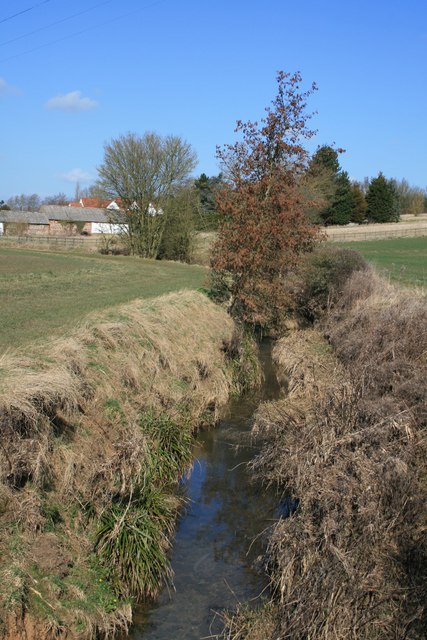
pixel 15 15
pixel 78 33
pixel 53 24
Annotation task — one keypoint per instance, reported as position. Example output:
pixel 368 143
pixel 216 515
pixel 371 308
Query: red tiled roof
pixel 95 203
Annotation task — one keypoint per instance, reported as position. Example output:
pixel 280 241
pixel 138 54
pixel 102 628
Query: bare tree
pixel 58 198
pixel 77 192
pixel 25 202
pixel 144 172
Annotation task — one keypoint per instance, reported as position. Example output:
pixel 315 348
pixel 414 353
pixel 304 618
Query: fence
pixel 354 235
pixel 52 242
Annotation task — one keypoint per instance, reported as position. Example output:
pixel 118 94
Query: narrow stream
pixel 214 549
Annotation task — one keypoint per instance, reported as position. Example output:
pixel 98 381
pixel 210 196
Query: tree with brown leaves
pixel 264 228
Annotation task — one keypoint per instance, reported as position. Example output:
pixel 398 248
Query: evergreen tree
pixel 382 200
pixel 335 185
pixel 343 203
pixel 325 159
pixel 322 174
pixel 360 205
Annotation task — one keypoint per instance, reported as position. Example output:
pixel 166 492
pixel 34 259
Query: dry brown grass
pixel 202 247
pixel 380 333
pixel 350 444
pixel 71 438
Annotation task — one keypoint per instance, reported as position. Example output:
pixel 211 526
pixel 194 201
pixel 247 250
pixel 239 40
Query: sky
pixel 75 75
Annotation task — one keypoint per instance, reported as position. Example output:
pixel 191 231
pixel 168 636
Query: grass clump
pixel 133 535
pixel 170 445
pixel 242 355
pixel 132 541
pixel 250 624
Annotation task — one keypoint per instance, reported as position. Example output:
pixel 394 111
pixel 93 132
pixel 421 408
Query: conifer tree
pixel 336 186
pixel 382 200
pixel 325 159
pixel 343 203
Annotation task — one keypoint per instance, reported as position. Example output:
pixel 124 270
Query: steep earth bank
pixel 347 449
pixel 95 433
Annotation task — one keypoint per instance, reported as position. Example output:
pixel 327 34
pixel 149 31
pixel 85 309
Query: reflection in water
pixel 218 537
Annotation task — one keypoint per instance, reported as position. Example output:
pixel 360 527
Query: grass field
pixel 402 259
pixel 44 293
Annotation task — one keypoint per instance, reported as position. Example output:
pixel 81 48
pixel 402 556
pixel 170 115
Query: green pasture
pixel 401 259
pixel 47 293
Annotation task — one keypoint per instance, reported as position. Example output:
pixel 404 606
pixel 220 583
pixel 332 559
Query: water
pixel 219 537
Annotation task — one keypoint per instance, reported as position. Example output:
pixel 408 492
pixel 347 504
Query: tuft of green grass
pixel 114 409
pixel 132 541
pixel 171 451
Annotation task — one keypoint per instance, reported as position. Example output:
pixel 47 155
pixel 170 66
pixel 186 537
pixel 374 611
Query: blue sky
pixel 193 68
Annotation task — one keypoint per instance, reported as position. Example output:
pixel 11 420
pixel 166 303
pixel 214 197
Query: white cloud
pixel 72 102
pixel 8 89
pixel 77 175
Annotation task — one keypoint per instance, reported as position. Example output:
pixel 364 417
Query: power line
pixel 78 33
pixel 52 24
pixel 15 15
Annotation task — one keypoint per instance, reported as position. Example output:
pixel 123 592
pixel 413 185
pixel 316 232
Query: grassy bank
pixel 347 451
pixel 402 260
pixel 46 293
pixel 96 430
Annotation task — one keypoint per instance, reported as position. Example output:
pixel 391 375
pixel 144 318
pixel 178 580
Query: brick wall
pixel 24 229
pixel 57 228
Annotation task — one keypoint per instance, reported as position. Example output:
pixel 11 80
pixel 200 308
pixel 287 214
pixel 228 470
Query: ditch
pixel 219 537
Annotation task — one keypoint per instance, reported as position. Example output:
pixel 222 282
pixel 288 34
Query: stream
pixel 219 536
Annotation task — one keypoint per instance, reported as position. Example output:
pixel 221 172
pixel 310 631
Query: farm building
pixel 58 221
pixel 65 220
pixel 19 223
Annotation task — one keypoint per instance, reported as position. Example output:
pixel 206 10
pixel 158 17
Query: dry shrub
pixel 349 443
pixel 320 279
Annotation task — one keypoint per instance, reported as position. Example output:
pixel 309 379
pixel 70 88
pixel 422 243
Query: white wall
pixel 106 227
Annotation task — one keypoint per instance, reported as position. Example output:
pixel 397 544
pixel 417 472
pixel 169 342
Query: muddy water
pixel 214 551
